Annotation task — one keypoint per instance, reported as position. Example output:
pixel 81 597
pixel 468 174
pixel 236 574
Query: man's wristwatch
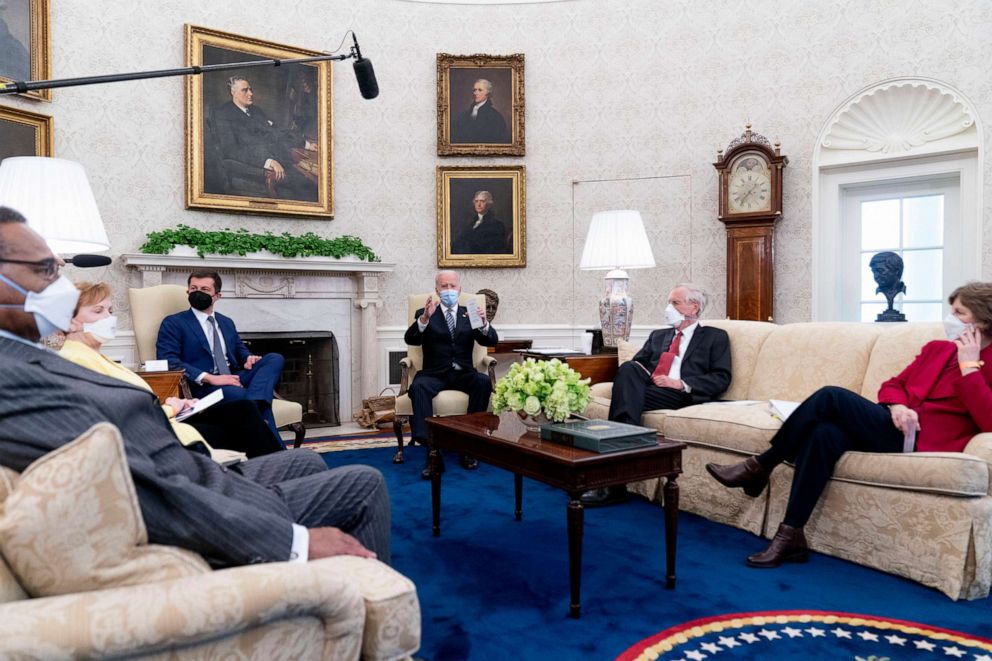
pixel 971 364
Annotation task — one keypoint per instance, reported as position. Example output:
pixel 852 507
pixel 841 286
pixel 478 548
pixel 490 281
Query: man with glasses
pixel 207 346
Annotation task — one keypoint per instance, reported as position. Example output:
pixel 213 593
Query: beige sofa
pixel 925 516
pixel 72 536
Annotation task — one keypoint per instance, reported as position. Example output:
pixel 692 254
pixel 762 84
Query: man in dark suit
pixel 283 506
pixel 678 366
pixel 247 136
pixel 447 338
pixel 207 346
pixel 483 233
pixel 481 123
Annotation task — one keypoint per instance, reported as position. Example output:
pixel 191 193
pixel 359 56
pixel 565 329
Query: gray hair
pixel 484 193
pixel 694 295
pixel 447 272
pixel 489 86
pixel 7 216
pixel 234 80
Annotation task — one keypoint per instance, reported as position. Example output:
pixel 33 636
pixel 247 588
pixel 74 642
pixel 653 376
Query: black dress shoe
pixel 468 462
pixel 748 475
pixel 788 545
pixel 425 474
pixel 605 497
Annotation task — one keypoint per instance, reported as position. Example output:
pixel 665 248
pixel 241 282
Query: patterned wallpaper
pixel 643 90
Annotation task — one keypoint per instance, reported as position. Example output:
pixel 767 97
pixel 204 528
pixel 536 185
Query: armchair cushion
pixel 72 523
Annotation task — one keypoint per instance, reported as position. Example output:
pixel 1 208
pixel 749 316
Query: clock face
pixel 749 187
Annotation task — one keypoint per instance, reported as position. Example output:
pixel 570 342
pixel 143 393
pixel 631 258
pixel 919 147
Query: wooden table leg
pixel 576 514
pixel 671 528
pixel 518 493
pixel 435 465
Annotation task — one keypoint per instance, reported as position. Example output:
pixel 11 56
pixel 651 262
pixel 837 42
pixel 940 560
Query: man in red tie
pixel 678 366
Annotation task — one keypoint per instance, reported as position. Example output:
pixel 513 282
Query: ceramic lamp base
pixel 616 309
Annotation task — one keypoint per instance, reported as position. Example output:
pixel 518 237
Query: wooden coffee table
pixel 503 441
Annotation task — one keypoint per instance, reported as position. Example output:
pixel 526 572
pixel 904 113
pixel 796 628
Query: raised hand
pixel 429 308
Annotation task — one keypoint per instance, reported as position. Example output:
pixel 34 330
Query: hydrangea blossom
pixel 548 386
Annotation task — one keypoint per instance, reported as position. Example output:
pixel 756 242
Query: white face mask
pixel 954 327
pixel 52 307
pixel 673 316
pixel 103 330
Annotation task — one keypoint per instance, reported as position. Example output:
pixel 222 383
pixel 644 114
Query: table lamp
pixel 616 241
pixel 55 196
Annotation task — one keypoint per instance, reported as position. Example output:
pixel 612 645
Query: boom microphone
pixel 88 261
pixel 364 74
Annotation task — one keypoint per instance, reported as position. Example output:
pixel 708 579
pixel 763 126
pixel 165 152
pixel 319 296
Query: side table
pixel 166 384
pixel 598 367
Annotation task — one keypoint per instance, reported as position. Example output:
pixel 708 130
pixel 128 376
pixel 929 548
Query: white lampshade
pixel 616 240
pixel 55 196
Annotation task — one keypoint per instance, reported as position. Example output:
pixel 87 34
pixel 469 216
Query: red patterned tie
pixel 667 358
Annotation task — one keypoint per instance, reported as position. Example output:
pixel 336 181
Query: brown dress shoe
pixel 788 545
pixel 748 475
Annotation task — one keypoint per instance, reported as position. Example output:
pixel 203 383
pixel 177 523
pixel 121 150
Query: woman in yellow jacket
pixel 234 425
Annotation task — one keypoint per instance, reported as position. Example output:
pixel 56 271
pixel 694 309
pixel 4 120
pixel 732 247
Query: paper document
pixel 202 404
pixel 552 351
pixel 909 440
pixel 473 313
pixel 781 408
pixel 736 402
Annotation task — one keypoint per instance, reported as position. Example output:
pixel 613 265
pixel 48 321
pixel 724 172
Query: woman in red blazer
pixel 941 400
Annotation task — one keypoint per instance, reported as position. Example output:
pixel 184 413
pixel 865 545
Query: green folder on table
pixel 599 435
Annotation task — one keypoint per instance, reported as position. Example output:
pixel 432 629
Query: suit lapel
pixel 193 326
pixel 230 338
pixel 693 343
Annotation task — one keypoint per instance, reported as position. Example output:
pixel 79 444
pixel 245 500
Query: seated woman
pixel 941 399
pixel 233 425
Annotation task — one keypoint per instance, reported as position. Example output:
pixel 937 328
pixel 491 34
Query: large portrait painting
pixel 481 217
pixel 480 105
pixel 24 133
pixel 25 43
pixel 258 139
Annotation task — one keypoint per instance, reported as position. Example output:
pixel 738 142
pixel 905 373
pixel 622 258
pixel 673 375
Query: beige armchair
pixel 447 402
pixel 152 304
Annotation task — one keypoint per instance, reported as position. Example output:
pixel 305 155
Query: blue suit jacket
pixel 182 342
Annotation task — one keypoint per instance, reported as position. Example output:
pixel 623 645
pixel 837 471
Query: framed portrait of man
pixel 481 217
pixel 25 43
pixel 258 139
pixel 480 105
pixel 24 133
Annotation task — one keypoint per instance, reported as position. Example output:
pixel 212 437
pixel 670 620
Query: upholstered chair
pixel 447 402
pixel 152 304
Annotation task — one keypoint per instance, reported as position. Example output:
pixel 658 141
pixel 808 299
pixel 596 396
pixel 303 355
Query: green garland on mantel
pixel 241 242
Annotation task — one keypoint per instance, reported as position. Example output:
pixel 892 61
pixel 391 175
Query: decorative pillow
pixel 625 351
pixel 72 523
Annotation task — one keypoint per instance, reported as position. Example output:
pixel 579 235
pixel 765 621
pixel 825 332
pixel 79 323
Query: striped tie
pixel 450 318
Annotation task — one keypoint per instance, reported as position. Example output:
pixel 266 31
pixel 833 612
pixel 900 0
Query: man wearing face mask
pixel 206 345
pixel 447 337
pixel 678 366
pixel 936 404
pixel 285 506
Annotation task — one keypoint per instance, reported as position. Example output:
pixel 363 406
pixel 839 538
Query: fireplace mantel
pixel 261 285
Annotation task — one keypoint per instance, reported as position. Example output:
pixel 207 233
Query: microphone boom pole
pixel 20 87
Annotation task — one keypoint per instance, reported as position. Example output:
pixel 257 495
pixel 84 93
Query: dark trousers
pixel 829 423
pixel 258 384
pixel 634 392
pixel 425 388
pixel 236 425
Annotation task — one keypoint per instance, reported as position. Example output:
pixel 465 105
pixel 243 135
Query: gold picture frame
pixel 475 230
pixel 480 105
pixel 25 133
pixel 26 43
pixel 275 158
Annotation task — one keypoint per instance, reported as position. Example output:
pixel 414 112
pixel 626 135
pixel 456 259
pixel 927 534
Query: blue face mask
pixel 449 297
pixel 52 307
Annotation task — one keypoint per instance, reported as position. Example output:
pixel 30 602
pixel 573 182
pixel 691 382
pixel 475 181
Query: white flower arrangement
pixel 548 386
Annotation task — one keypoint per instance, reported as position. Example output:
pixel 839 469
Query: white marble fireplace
pixel 271 293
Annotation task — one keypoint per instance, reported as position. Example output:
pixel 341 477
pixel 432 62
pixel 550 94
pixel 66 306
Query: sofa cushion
pixel 72 523
pixel 895 348
pixel 744 427
pixel 798 359
pixel 626 350
pixel 746 338
pixel 10 589
pixel 948 473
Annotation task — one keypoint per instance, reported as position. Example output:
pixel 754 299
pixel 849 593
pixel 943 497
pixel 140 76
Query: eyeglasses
pixel 46 267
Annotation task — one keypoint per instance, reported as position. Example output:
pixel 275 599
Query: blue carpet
pixel 492 588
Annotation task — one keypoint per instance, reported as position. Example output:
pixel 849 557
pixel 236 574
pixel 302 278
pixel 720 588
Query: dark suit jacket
pixel 486 239
pixel 440 348
pixel 186 498
pixel 182 342
pixel 488 126
pixel 252 139
pixel 705 365
pixel 952 408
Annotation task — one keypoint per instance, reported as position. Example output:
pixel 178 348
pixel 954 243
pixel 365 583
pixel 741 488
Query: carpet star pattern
pixel 807 635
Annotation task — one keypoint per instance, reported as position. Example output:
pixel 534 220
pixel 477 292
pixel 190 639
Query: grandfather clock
pixel 750 192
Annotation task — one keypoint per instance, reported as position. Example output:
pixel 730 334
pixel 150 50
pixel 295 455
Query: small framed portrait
pixel 481 217
pixel 25 43
pixel 480 105
pixel 24 133
pixel 258 139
